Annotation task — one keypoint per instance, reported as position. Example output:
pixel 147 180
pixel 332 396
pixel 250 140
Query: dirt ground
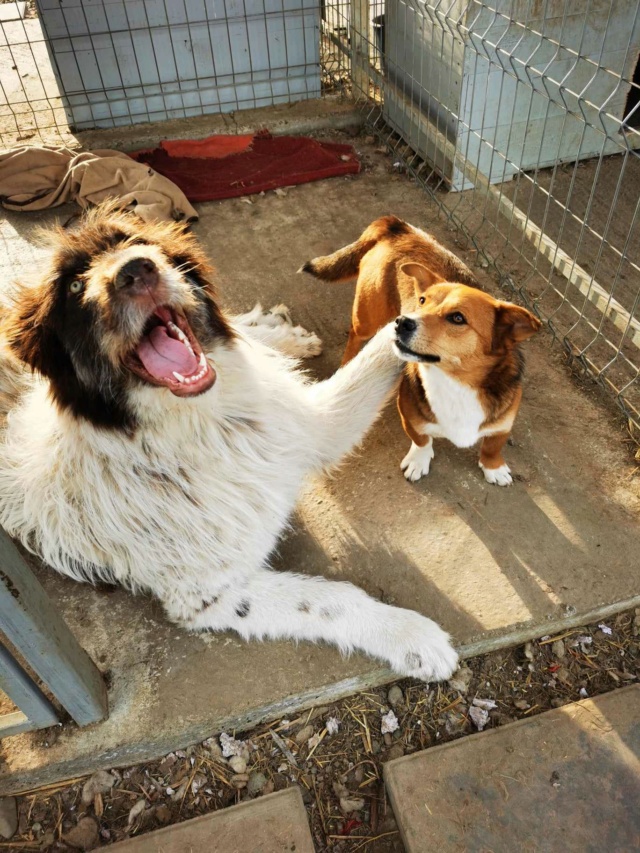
pixel 494 566
pixel 335 753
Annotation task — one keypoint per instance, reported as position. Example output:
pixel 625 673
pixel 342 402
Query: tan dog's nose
pixel 137 274
pixel 405 326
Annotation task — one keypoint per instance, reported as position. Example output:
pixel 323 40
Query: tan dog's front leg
pixel 496 471
pixel 354 345
pixel 417 462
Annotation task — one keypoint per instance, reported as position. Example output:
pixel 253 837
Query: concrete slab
pixel 273 824
pixel 494 566
pixel 566 780
pixel 12 11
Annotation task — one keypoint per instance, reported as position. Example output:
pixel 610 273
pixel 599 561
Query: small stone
pixel 557 649
pixel 240 780
pixel 389 723
pixel 268 788
pixel 99 783
pixel 454 720
pixel 332 726
pixel 557 703
pixel 358 773
pixel 304 735
pixel 479 716
pixel 256 783
pixel 83 836
pixel 135 811
pixel 388 740
pixel 8 817
pixel 522 704
pixel 563 675
pixel 485 704
pixel 231 746
pixel 395 696
pixel 528 651
pixel 461 679
pixel 167 763
pixel 370 140
pixel 396 751
pixel 163 814
pixel 351 804
pixel 376 747
pixel 238 764
pixel 47 840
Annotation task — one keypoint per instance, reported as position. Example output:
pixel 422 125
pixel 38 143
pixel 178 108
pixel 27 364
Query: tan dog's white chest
pixel 457 408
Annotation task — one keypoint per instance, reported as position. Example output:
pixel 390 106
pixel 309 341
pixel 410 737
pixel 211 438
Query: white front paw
pixel 423 649
pixel 497 476
pixel 417 462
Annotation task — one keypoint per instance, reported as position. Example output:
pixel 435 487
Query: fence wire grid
pixel 519 118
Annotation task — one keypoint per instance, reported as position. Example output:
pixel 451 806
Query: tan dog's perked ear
pixel 513 324
pixel 422 276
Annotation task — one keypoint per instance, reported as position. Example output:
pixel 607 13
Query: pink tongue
pixel 162 355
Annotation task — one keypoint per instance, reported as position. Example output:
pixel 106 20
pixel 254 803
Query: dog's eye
pixel 422 300
pixel 76 286
pixel 456 318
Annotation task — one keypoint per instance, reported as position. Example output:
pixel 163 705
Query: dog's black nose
pixel 405 325
pixel 139 272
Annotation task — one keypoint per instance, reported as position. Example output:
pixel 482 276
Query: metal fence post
pixel 41 636
pixel 359 41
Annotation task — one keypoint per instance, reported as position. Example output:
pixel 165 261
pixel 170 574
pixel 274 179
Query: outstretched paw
pixel 424 650
pixel 275 329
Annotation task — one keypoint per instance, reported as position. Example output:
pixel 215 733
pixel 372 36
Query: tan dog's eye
pixel 76 286
pixel 422 300
pixel 456 318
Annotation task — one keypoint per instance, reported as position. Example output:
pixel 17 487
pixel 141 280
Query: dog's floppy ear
pixel 512 325
pixel 423 276
pixel 27 329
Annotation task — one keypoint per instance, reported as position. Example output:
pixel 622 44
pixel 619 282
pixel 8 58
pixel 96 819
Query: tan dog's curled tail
pixel 345 263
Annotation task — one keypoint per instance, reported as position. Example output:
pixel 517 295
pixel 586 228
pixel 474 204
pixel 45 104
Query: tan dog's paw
pixel 417 462
pixel 497 476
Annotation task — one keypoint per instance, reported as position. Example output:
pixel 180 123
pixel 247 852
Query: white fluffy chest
pixel 456 406
pixel 208 487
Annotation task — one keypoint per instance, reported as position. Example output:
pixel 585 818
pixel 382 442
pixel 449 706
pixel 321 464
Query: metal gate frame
pixel 42 638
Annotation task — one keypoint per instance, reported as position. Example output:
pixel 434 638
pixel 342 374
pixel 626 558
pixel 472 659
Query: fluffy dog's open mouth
pixel 169 354
pixel 409 354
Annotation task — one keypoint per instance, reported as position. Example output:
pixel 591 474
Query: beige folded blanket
pixel 34 178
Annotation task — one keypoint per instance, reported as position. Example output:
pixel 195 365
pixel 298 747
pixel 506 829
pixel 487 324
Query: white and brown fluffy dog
pixel 463 379
pixel 154 442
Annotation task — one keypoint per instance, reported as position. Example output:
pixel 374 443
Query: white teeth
pixel 180 335
pixel 187 380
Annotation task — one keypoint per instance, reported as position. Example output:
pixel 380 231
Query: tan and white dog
pixel 463 380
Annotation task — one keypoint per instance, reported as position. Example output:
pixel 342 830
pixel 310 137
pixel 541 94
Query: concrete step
pixel 567 780
pixel 276 823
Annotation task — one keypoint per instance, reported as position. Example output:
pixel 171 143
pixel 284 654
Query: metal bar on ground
pixel 38 712
pixel 42 637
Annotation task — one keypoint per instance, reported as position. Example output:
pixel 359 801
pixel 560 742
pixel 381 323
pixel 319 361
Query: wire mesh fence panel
pixel 31 109
pixel 80 64
pixel 521 118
